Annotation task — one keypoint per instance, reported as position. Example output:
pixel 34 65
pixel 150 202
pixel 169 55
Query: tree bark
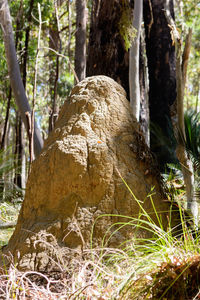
pixel 106 49
pixel 134 61
pixel 80 48
pixel 6 120
pixel 18 150
pixel 55 44
pixel 18 121
pixel 162 78
pixel 14 73
pixel 25 54
pixel 144 91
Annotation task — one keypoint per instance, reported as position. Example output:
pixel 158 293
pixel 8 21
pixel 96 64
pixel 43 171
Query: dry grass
pixel 92 277
pixel 162 268
pixel 101 274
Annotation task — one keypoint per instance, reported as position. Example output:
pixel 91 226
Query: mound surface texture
pixel 76 179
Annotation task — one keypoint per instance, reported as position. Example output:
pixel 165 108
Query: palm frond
pixel 192 132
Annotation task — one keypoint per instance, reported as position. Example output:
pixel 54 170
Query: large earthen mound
pixel 76 178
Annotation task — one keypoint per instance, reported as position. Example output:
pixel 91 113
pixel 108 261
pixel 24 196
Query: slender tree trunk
pixel 6 120
pixel 69 31
pixel 18 150
pixel 134 54
pixel 24 79
pixel 182 155
pixel 7 177
pixel 18 125
pixel 14 73
pixel 55 44
pixel 80 48
pixel 144 91
pixel 25 53
pixel 3 141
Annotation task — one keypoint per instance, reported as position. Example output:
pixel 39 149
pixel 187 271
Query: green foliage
pixel 20 14
pixel 173 176
pixel 164 143
pixel 151 259
pixel 187 15
pixel 192 130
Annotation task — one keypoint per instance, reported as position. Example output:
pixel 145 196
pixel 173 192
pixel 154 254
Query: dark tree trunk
pixel 3 141
pixel 107 55
pixel 18 150
pixel 20 159
pixel 24 64
pixel 55 44
pixel 106 49
pixel 18 124
pixel 6 120
pixel 162 78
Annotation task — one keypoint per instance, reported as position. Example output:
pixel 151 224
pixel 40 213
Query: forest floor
pixel 164 267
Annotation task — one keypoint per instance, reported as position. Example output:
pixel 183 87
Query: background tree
pixel 54 64
pixel 110 38
pixel 19 178
pixel 134 60
pixel 181 151
pixel 162 78
pixel 110 34
pixel 25 27
pixel 80 48
pixel 14 73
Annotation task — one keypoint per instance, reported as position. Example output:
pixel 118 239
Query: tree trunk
pixel 14 73
pixel 6 120
pixel 144 91
pixel 182 155
pixel 18 122
pixel 25 53
pixel 54 43
pixel 23 160
pixel 18 150
pixel 107 55
pixel 80 48
pixel 20 158
pixel 162 78
pixel 3 142
pixel 106 50
pixel 134 61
